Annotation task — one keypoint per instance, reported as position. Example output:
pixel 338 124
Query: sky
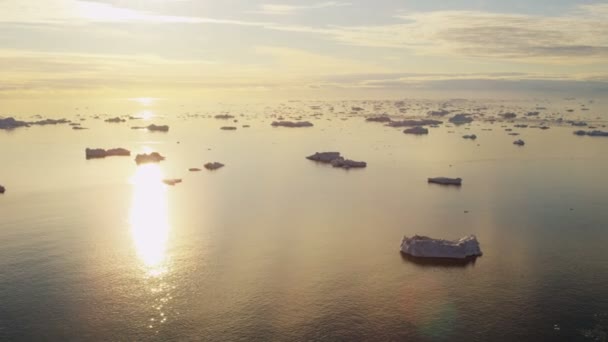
pixel 321 49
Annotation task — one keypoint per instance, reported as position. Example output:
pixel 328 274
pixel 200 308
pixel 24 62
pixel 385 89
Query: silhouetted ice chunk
pixel 92 153
pixel 595 133
pixel 413 123
pixel 324 157
pixel 228 128
pixel 11 123
pixel 426 247
pixel 519 142
pixel 2 189
pixel 380 118
pixel 291 124
pixel 441 112
pixel 470 136
pixel 115 120
pixel 213 166
pixel 347 163
pixel 460 119
pixel 194 169
pixel 50 122
pixel 172 182
pixel 445 180
pixel 416 130
pixel 158 128
pixel 508 115
pixel 224 116
pixel 145 158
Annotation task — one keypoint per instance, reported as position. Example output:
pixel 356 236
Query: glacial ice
pixel 426 247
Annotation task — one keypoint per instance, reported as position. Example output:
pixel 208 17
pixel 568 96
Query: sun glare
pixel 145 101
pixel 149 218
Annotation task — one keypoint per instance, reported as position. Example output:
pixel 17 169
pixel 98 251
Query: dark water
pixel 275 247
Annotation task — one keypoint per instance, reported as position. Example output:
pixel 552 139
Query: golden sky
pixel 325 49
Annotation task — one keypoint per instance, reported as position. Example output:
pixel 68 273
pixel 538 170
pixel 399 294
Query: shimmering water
pixel 276 247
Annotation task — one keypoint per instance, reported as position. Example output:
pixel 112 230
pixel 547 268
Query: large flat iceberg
pixel 426 247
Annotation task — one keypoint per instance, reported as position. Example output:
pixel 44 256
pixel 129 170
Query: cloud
pixel 284 9
pixel 580 36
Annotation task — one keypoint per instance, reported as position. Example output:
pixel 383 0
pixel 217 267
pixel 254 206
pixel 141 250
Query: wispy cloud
pixel 285 9
pixel 574 37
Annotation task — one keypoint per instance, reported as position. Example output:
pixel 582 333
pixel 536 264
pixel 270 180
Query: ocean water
pixel 274 247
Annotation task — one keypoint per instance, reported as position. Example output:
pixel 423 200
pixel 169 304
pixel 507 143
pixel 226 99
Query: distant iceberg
pixel 445 180
pixel 426 247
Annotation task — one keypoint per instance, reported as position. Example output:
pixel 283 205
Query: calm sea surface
pixel 274 247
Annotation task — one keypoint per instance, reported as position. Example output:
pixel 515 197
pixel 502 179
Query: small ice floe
pixel 336 160
pixel 291 124
pixel 418 130
pixel 469 136
pixel 592 133
pixel 92 153
pixel 115 120
pixel 50 122
pixel 347 163
pixel 194 169
pixel 460 119
pixel 2 189
pixel 324 157
pixel 519 142
pixel 441 112
pixel 508 116
pixel 413 123
pixel 445 181
pixel 578 123
pixel 532 113
pixel 426 247
pixel 78 128
pixel 158 128
pixel 380 118
pixel 172 182
pixel 213 166
pixel 11 123
pixel 144 158
pixel 520 126
pixel 228 128
pixel 224 116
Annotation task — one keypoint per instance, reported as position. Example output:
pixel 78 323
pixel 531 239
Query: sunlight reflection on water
pixel 149 218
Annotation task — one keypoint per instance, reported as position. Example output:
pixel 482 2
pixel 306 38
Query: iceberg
pixel 2 189
pixel 93 153
pixel 380 118
pixel 213 166
pixel 144 158
pixel 414 123
pixel 336 160
pixel 445 181
pixel 426 247
pixel 347 163
pixel 291 124
pixel 158 128
pixel 460 119
pixel 11 123
pixel 172 182
pixel 324 157
pixel 418 130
